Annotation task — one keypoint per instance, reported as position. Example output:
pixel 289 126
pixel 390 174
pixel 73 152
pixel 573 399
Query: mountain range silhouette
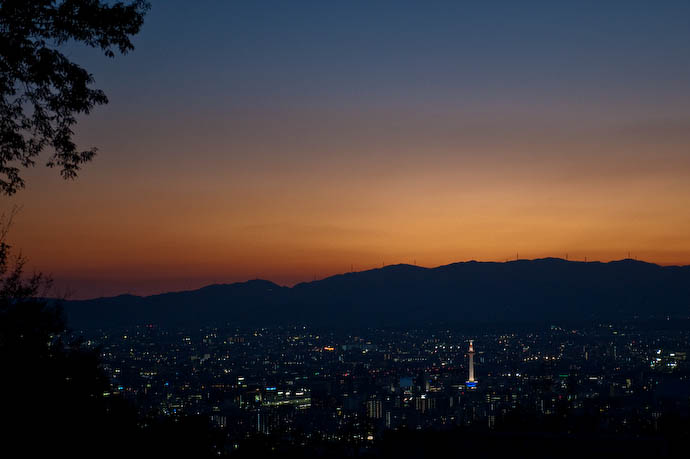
pixel 547 289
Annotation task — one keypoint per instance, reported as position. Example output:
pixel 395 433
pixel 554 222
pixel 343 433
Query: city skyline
pixel 368 384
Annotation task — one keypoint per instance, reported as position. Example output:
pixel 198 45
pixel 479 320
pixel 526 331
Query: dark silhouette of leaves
pixel 41 90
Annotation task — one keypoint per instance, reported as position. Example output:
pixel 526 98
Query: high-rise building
pixel 374 407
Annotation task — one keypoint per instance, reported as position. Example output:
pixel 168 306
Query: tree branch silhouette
pixel 41 90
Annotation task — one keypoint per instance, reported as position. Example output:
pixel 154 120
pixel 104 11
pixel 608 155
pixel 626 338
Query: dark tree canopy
pixel 41 90
pixel 56 399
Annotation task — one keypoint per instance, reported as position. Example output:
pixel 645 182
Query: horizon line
pixel 384 266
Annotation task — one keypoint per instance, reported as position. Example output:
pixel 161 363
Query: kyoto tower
pixel 471 383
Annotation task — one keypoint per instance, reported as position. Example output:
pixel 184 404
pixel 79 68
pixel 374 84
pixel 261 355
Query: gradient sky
pixel 288 140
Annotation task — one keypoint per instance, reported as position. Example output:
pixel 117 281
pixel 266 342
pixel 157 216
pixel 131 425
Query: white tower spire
pixel 471 352
pixel 471 382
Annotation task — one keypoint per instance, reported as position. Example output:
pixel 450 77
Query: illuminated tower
pixel 471 383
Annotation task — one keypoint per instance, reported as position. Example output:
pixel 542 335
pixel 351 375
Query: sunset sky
pixel 291 140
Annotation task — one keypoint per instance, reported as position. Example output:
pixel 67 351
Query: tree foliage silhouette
pixel 55 397
pixel 41 90
pixel 52 387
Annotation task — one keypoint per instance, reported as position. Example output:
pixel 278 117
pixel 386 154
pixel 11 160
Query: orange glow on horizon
pixel 298 208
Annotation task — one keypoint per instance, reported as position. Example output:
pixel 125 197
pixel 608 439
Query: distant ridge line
pixel 463 292
pixel 387 267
